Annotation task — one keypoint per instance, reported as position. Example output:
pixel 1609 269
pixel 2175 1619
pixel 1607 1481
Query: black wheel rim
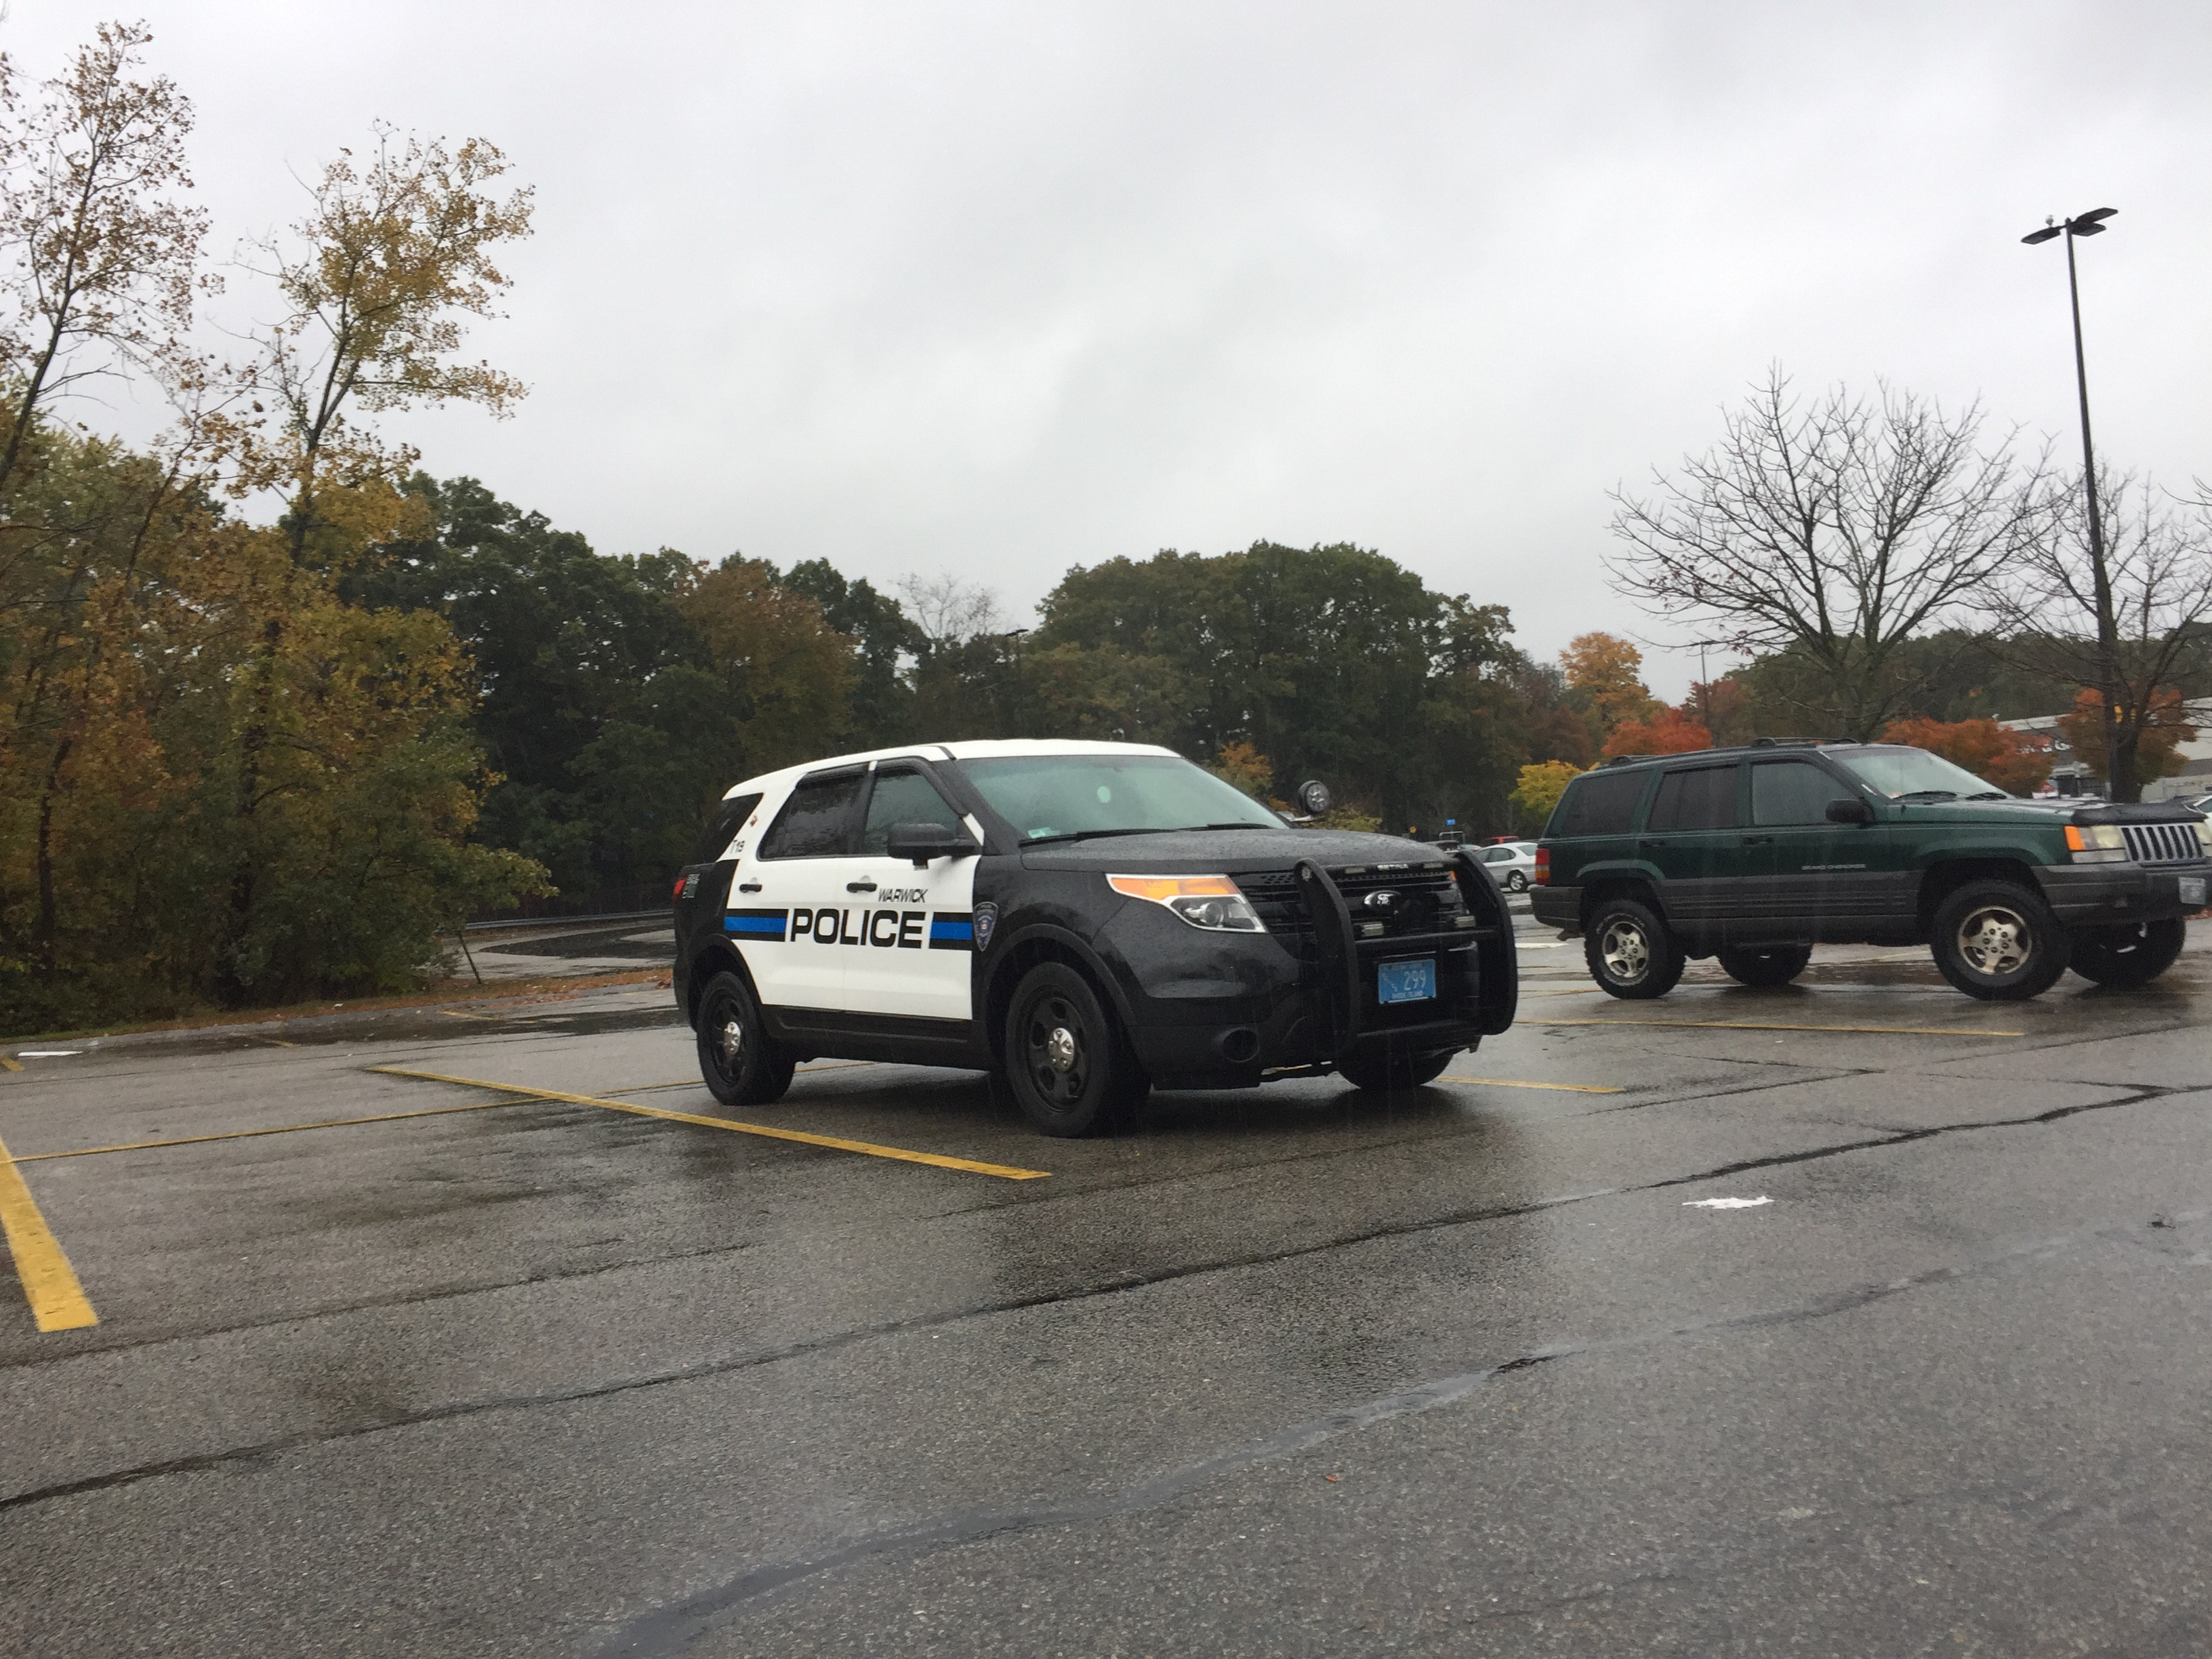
pixel 722 1038
pixel 1057 1051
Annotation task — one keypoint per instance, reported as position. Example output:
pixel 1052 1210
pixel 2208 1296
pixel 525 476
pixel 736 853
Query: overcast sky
pixel 998 289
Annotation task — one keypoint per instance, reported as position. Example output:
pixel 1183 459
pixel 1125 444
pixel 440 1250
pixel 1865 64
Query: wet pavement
pixel 1477 1369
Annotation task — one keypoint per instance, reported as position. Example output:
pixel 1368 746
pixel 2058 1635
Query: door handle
pixel 1759 841
pixel 749 887
pixel 860 887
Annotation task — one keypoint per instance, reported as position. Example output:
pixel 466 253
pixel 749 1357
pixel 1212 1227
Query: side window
pixel 722 829
pixel 1697 798
pixel 1792 792
pixel 817 822
pixel 1600 803
pixel 903 798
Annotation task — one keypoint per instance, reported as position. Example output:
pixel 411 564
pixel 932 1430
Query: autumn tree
pixel 1609 671
pixel 1985 748
pixel 2124 614
pixel 1838 529
pixel 1538 789
pixel 2158 732
pixel 1668 732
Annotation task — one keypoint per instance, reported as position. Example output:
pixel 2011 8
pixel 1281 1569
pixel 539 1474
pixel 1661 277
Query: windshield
pixel 1901 772
pixel 1049 796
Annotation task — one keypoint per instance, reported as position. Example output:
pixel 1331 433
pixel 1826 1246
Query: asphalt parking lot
pixel 1854 1319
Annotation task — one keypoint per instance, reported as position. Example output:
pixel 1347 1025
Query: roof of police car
pixel 968 748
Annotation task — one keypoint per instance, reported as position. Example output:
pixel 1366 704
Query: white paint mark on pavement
pixel 1726 1203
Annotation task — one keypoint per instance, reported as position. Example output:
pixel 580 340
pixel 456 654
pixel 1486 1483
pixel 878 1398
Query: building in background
pixel 2072 774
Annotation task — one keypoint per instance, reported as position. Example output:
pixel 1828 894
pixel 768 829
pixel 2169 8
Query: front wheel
pixel 2127 956
pixel 1067 1065
pixel 1769 966
pixel 1391 1073
pixel 1629 952
pixel 742 1066
pixel 1998 941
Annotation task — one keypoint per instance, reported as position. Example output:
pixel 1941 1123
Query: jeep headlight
pixel 2096 843
pixel 2204 835
pixel 1211 902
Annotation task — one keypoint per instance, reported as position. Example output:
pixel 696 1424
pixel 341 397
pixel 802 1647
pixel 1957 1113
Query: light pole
pixel 2092 223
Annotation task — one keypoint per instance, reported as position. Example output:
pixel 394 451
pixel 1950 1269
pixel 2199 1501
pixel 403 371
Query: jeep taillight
pixel 1543 866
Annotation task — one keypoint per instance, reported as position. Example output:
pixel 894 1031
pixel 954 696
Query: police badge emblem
pixel 985 917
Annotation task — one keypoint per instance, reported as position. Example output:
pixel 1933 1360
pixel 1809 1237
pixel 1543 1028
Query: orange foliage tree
pixel 1987 750
pixel 1669 731
pixel 2162 729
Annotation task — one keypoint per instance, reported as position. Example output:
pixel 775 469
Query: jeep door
pixel 1690 836
pixel 1817 881
pixel 917 925
pixel 790 907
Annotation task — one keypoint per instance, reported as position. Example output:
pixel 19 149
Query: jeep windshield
pixel 1074 797
pixel 1914 774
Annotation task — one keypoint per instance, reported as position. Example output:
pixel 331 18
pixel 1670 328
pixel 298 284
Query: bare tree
pixel 948 611
pixel 2130 618
pixel 1836 530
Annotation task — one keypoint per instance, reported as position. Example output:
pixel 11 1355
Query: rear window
pixel 1599 803
pixel 817 822
pixel 1698 798
pixel 722 829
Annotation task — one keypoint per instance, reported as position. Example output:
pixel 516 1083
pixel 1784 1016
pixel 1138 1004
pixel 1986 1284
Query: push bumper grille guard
pixel 1496 959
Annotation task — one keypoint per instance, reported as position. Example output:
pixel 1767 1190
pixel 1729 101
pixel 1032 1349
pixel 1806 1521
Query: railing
pixel 634 901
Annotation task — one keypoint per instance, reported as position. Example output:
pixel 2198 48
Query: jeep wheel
pixel 1766 965
pixel 1629 951
pixel 742 1066
pixel 1390 1073
pixel 1067 1064
pixel 2127 956
pixel 1517 881
pixel 1998 941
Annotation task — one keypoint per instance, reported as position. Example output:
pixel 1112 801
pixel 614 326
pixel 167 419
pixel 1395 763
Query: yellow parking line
pixel 1763 1026
pixel 1004 1172
pixel 521 1099
pixel 58 1301
pixel 1509 1082
pixel 456 1013
pixel 10 1064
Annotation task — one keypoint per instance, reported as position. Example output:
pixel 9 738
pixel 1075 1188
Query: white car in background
pixel 1513 862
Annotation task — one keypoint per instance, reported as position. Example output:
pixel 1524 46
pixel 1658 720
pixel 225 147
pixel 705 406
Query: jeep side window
pixel 1697 798
pixel 817 822
pixel 1791 792
pixel 903 798
pixel 1600 803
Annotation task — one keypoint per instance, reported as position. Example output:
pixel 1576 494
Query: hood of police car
pixel 1232 852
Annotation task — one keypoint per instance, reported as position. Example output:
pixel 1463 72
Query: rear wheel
pixel 1517 881
pixel 1998 940
pixel 1067 1065
pixel 1765 966
pixel 742 1066
pixel 1389 1073
pixel 1629 952
pixel 2127 956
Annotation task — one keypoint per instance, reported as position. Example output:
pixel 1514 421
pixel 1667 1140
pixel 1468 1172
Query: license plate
pixel 1405 982
pixel 2192 890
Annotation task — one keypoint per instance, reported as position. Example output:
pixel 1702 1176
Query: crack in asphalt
pixel 667 1629
pixel 1116 1286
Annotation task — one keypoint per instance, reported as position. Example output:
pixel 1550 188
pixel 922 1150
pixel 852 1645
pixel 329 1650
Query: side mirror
pixel 1849 810
pixel 924 842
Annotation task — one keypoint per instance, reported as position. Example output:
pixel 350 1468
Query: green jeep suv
pixel 1756 854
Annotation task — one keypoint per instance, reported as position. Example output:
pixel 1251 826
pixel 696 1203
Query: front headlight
pixel 2204 835
pixel 1211 902
pixel 2094 837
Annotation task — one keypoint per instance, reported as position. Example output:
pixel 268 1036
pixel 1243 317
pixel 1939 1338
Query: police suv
pixel 1085 921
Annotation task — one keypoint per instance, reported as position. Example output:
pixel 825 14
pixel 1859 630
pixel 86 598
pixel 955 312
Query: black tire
pixel 1067 1064
pixel 742 1064
pixel 1629 950
pixel 2127 956
pixel 1765 966
pixel 1517 881
pixel 1392 1073
pixel 1998 941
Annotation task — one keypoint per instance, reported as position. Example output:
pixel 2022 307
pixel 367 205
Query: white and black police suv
pixel 1085 921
